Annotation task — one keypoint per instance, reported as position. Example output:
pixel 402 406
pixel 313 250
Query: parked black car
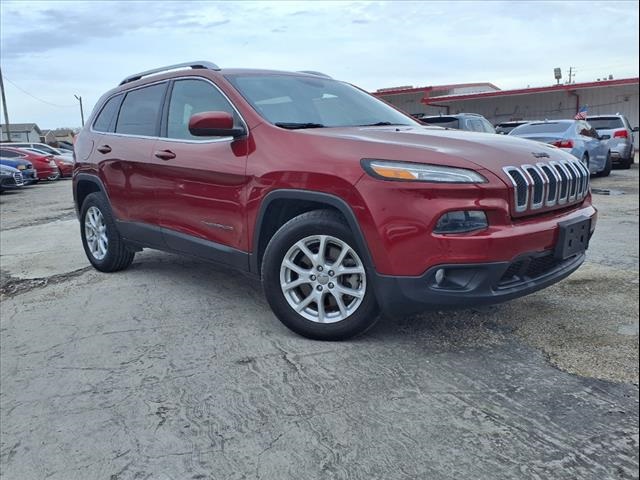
pixel 10 178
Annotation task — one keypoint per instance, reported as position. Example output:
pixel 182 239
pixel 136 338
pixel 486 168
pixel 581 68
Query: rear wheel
pixel 585 160
pixel 315 280
pixel 102 243
pixel 626 164
pixel 607 167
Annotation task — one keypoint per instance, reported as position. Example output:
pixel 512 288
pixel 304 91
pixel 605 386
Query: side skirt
pixel 146 236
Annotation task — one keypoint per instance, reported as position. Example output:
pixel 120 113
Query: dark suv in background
pixel 340 203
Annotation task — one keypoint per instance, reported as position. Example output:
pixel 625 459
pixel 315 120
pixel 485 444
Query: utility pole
pixel 4 107
pixel 79 98
pixel 571 74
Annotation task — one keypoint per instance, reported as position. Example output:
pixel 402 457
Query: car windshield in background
pixel 545 127
pixel 295 101
pixel 606 123
pixel 446 122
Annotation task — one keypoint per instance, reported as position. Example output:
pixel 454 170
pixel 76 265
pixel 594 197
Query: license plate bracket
pixel 573 237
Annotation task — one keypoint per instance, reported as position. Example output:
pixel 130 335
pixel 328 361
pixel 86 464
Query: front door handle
pixel 104 149
pixel 165 154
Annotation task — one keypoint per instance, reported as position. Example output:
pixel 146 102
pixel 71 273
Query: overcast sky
pixel 53 50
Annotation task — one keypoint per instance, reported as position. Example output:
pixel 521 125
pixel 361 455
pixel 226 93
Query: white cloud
pixel 57 49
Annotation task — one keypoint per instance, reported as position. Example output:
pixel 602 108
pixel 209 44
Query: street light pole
pixel 4 107
pixel 79 98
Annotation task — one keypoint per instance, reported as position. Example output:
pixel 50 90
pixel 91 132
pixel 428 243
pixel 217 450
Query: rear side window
pixel 140 111
pixel 189 97
pixel 107 116
pixel 475 125
pixel 488 127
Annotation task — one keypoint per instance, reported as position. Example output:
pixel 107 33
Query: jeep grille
pixel 548 184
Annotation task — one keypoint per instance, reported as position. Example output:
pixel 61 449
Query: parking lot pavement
pixel 175 369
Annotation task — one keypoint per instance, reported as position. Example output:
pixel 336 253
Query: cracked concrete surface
pixel 177 370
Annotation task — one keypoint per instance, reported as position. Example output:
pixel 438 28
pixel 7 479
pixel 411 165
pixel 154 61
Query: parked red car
pixel 45 165
pixel 64 165
pixel 342 204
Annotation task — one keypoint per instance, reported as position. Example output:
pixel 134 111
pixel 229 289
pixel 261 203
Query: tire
pixel 626 164
pixel 339 316
pixel 112 255
pixel 607 167
pixel 585 160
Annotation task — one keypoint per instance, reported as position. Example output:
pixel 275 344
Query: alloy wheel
pixel 323 279
pixel 95 232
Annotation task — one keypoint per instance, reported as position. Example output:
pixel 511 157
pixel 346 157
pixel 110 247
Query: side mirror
pixel 605 137
pixel 635 129
pixel 214 124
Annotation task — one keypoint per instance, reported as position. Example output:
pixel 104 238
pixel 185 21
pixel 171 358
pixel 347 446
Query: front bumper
pixel 473 284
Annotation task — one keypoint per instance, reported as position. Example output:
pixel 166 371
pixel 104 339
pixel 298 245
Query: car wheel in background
pixel 101 240
pixel 607 167
pixel 315 280
pixel 585 160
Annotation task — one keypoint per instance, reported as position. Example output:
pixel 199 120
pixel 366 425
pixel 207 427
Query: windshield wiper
pixel 381 124
pixel 294 125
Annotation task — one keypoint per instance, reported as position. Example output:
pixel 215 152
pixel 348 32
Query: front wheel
pixel 315 280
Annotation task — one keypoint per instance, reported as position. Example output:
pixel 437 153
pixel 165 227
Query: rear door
pixel 201 181
pixel 125 154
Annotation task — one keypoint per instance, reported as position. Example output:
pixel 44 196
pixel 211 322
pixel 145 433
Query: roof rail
pixel 317 74
pixel 194 65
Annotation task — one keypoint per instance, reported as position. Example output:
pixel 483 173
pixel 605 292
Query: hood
pixel 437 145
pixel 12 162
pixel 6 169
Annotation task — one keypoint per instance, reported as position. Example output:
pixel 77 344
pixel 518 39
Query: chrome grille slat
pixel 547 184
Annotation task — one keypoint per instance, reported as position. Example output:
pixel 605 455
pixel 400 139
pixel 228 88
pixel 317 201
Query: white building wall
pixel 623 99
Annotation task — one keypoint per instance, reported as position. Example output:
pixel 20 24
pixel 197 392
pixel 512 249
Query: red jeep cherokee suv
pixel 342 204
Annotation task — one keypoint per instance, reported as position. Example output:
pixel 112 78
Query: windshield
pixel 607 123
pixel 294 101
pixel 546 127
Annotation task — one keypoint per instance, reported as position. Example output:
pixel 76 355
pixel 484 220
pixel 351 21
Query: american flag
pixel 582 114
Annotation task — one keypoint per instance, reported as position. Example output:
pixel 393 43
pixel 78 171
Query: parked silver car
pixel 576 137
pixel 621 136
pixel 461 121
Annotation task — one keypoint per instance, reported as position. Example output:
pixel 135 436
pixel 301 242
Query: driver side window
pixel 189 97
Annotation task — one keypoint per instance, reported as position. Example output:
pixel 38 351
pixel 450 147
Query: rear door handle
pixel 165 154
pixel 104 149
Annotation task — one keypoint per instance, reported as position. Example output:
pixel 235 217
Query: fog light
pixel 461 221
pixel 440 276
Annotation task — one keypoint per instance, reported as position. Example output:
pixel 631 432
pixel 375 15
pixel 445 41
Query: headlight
pixel 419 172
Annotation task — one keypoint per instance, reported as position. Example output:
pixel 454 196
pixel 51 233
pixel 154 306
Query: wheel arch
pixel 85 184
pixel 280 206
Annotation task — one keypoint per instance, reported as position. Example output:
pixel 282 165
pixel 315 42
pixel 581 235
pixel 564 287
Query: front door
pixel 201 180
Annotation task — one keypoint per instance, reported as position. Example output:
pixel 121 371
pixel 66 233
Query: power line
pixel 33 96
